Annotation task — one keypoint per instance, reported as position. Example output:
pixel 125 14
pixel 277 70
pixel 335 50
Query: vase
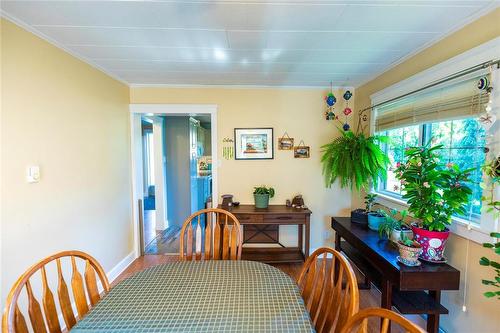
pixel 433 242
pixel 396 235
pixel 261 200
pixel 374 220
pixel 409 254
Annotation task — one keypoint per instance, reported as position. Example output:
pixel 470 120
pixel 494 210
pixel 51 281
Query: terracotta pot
pixel 408 254
pixel 433 242
pixel 396 235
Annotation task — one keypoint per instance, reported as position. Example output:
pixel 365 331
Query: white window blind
pixel 455 99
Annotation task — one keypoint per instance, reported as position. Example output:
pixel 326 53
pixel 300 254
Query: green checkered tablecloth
pixel 210 296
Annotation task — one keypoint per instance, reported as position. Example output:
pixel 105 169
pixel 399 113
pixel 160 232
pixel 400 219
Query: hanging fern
pixel 355 160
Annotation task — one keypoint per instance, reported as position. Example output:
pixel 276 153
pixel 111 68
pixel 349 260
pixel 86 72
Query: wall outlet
pixel 326 234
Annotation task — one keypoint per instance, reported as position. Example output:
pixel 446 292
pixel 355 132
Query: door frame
pixel 136 111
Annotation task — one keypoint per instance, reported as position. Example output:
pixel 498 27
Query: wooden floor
pixel 368 298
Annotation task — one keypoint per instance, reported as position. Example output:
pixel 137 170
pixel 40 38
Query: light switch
pixel 33 174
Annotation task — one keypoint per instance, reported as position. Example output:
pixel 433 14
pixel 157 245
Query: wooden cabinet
pixel 261 226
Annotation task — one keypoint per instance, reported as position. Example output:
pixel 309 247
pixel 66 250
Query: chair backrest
pixel 359 322
pixel 48 321
pixel 329 289
pixel 211 234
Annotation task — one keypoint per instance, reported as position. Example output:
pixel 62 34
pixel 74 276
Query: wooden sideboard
pixel 261 226
pixel 412 290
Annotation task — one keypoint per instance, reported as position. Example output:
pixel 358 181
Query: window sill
pixel 459 227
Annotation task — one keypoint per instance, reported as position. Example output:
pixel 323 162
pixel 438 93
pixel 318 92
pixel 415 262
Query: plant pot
pixel 359 216
pixel 261 200
pixel 433 242
pixel 396 235
pixel 374 220
pixel 409 254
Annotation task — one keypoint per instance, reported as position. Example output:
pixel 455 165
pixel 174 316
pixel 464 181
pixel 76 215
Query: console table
pixel 412 290
pixel 262 226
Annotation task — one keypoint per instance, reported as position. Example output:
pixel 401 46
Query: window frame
pixel 425 131
pixel 480 54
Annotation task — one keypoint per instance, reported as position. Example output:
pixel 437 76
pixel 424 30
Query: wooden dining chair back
pixel 329 289
pixel 211 234
pixel 84 291
pixel 359 322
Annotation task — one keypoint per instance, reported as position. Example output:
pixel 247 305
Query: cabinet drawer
pixel 250 218
pixel 284 218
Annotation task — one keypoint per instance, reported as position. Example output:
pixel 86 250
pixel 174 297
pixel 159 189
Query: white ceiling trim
pixel 469 20
pixel 245 86
pixel 41 35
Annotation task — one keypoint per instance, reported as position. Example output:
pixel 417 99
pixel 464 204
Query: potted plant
pixel 434 192
pixel 409 251
pixel 375 219
pixel 360 215
pixel 356 160
pixel 261 196
pixel 393 227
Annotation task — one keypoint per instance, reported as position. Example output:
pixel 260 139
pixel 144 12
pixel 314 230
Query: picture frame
pixel 254 143
pixel 285 142
pixel 301 151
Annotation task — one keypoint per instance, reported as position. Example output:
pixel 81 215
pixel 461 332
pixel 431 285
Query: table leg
pixel 306 252
pixel 337 241
pixel 386 301
pixel 433 319
pixel 300 228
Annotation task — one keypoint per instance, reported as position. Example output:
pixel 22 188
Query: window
pixel 463 143
pixel 445 114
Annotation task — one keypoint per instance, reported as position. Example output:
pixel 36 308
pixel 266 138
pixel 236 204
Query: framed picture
pixel 301 152
pixel 253 143
pixel 285 142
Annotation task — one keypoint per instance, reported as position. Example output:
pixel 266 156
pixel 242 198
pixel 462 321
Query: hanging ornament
pixel 346 127
pixel 487 120
pixel 330 99
pixel 483 83
pixel 347 95
pixel 329 115
pixel 347 111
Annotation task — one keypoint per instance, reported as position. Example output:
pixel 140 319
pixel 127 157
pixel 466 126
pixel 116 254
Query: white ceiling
pixel 246 42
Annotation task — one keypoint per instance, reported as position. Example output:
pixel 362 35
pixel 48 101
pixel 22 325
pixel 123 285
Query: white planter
pixel 396 235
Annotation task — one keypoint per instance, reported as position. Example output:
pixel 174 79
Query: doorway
pixel 173 170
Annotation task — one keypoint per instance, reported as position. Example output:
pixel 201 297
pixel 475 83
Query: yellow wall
pixel 482 313
pixel 297 111
pixel 71 120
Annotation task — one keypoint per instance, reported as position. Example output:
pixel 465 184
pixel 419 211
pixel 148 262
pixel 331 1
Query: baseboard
pixel 121 266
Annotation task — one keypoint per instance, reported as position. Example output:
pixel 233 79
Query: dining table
pixel 201 296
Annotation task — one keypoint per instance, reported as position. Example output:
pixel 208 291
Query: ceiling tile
pixel 272 42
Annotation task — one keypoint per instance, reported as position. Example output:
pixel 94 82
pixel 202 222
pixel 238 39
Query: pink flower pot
pixel 433 242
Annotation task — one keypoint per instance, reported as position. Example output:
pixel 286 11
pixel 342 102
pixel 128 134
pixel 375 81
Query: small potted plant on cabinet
pixel 375 219
pixel 261 196
pixel 409 251
pixel 393 227
pixel 360 215
pixel 435 192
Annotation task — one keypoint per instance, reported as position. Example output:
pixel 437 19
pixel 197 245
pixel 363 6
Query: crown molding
pixel 234 86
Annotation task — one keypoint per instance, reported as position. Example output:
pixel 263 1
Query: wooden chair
pixel 329 289
pixel 359 322
pixel 216 235
pixel 13 320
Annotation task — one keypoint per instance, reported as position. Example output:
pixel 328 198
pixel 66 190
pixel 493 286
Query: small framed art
pixel 301 151
pixel 285 142
pixel 253 143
